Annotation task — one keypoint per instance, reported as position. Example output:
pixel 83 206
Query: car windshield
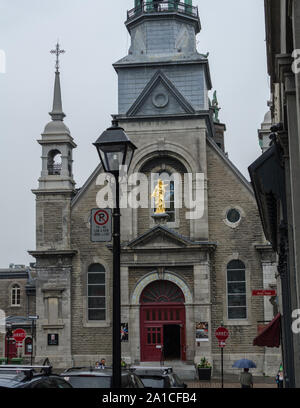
pixel 153 382
pixel 89 381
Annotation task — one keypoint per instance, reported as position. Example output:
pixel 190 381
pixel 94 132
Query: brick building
pixel 182 278
pixel 17 302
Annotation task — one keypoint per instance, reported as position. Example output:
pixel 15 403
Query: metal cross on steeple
pixel 57 51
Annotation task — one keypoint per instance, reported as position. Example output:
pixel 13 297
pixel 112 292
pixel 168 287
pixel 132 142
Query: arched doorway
pixel 162 322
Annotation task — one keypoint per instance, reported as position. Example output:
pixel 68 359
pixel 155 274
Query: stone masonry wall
pixel 88 338
pixel 225 191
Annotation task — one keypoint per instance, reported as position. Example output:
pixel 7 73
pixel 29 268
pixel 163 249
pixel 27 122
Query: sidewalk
pixel 232 381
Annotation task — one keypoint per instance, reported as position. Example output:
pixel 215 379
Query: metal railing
pixel 162 6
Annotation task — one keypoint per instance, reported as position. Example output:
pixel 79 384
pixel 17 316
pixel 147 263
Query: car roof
pixel 157 368
pixel 158 371
pixel 151 373
pixel 102 372
pixel 21 374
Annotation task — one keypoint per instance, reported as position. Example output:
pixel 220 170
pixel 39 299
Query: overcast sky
pixel 94 36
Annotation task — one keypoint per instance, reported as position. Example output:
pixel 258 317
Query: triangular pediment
pixel 160 97
pixel 159 237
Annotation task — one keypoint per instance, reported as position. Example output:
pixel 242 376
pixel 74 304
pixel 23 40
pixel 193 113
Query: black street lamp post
pixel 115 150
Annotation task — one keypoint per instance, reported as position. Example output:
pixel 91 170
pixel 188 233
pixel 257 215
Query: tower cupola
pixel 163 73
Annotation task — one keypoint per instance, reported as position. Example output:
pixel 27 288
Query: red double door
pixel 162 332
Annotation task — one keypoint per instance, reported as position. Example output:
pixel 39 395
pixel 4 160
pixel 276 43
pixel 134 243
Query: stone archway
pixel 135 299
pixel 162 322
pixel 169 317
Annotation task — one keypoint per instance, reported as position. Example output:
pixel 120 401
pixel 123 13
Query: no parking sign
pixel 101 225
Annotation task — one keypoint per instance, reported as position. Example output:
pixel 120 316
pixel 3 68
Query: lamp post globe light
pixel 115 150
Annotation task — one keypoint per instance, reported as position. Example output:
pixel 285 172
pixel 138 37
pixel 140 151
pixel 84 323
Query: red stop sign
pixel 19 335
pixel 222 333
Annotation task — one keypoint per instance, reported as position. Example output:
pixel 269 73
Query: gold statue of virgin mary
pixel 159 196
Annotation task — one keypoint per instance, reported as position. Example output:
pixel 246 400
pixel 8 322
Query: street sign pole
pixel 7 347
pixel 31 356
pixel 222 366
pixel 222 335
pixel 33 319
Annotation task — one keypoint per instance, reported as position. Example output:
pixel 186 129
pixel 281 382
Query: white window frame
pixel 230 319
pixel 96 284
pixel 15 293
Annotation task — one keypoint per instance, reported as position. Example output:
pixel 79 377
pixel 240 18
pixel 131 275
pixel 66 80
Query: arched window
pixel 54 162
pixel 162 291
pixel 16 295
pixel 96 281
pixel 236 290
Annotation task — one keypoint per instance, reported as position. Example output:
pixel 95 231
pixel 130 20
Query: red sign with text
pixel 222 334
pixel 19 335
pixel 263 292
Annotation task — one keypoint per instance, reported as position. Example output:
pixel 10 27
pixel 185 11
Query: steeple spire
pixel 57 112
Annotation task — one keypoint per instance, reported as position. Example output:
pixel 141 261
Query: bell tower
pixel 53 252
pixel 57 144
pixel 56 183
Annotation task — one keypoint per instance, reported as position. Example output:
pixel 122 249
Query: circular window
pixel 160 99
pixel 233 216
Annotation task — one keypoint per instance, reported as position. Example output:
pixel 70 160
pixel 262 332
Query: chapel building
pixel 182 278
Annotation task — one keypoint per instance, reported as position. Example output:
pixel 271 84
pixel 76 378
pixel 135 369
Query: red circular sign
pixel 222 333
pixel 101 217
pixel 19 335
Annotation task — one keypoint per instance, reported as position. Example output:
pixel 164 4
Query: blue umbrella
pixel 244 363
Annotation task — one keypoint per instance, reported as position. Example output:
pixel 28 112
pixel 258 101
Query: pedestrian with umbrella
pixel 246 378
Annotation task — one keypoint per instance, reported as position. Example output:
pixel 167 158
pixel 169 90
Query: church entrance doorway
pixel 162 322
pixel 172 342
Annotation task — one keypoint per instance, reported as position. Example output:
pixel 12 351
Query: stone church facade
pixel 180 279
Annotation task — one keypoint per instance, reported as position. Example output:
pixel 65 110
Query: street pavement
pixel 232 381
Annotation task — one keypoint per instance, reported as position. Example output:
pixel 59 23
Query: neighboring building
pixel 275 175
pixel 264 132
pixel 17 301
pixel 180 279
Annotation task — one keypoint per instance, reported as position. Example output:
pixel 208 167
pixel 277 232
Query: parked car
pixel 91 377
pixel 17 376
pixel 158 377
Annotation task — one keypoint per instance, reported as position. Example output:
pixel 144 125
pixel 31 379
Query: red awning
pixel 270 336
